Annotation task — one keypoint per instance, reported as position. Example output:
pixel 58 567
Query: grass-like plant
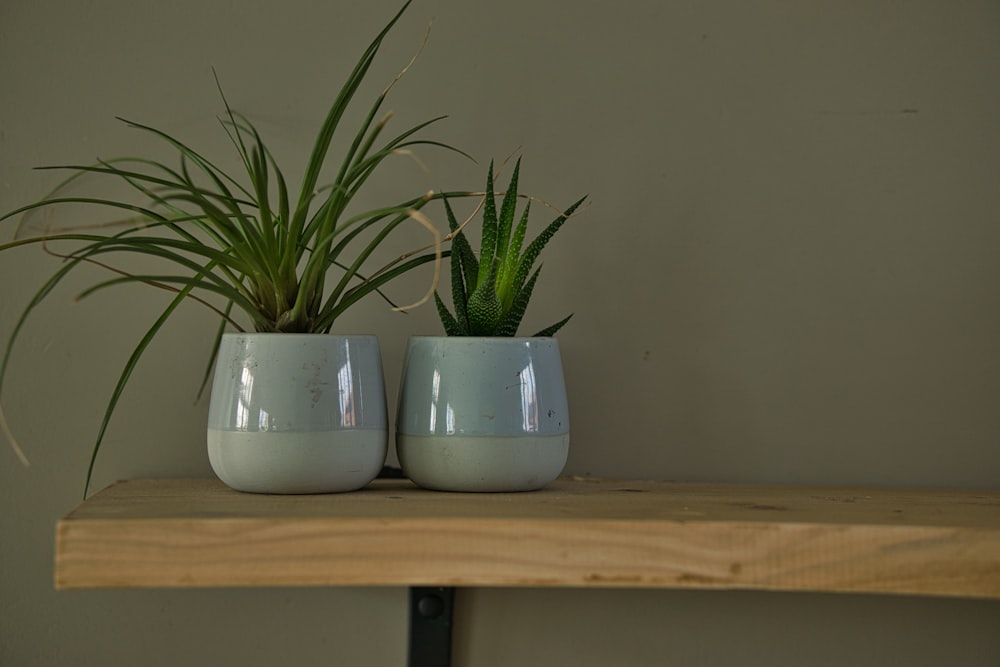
pixel 290 261
pixel 490 294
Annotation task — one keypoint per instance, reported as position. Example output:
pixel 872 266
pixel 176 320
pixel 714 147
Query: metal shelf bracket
pixel 431 616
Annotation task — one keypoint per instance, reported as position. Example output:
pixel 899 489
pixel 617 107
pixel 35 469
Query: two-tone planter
pixel 297 413
pixel 482 414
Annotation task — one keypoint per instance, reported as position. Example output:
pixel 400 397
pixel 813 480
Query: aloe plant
pixel 290 261
pixel 491 294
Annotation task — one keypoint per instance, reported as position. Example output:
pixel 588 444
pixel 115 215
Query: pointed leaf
pixel 505 287
pixel 459 256
pixel 551 330
pixel 488 245
pixel 536 246
pixel 467 258
pixel 506 223
pixel 448 321
pixel 512 318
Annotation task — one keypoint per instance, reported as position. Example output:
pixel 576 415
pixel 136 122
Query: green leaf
pixel 488 245
pixel 535 247
pixel 123 379
pixel 551 330
pixel 354 294
pixel 448 321
pixel 461 253
pixel 219 330
pixel 505 287
pixel 484 308
pixel 512 317
pixel 325 137
pixel 214 173
pixel 467 258
pixel 506 223
pixel 496 295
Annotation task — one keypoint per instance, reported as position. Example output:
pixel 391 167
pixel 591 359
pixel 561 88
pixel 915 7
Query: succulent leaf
pixel 505 224
pixel 551 330
pixel 512 318
pixel 484 307
pixel 507 289
pixel 451 325
pixel 488 246
pixel 461 271
pixel 535 247
pixel 494 292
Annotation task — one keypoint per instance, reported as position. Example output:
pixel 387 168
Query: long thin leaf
pixel 219 330
pixel 322 143
pixel 355 294
pixel 166 282
pixel 124 377
pixel 210 170
pixel 339 291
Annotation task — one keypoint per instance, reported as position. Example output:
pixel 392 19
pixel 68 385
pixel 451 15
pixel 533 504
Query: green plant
pixel 250 246
pixel 491 294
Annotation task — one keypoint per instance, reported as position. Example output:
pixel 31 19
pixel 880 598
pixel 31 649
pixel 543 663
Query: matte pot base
pixel 297 462
pixel 482 463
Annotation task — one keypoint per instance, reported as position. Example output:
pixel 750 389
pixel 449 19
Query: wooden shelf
pixel 197 532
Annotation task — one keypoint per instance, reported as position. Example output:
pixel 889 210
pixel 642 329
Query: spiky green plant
pixel 253 245
pixel 491 294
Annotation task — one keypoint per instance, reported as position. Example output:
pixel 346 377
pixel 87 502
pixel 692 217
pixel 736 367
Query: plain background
pixel 787 273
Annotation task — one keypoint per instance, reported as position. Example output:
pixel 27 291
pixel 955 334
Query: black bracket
pixel 431 614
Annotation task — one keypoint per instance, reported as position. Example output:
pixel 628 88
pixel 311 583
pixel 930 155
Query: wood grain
pixel 197 532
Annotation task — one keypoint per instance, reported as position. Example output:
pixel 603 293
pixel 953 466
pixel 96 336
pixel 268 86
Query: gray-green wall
pixel 788 272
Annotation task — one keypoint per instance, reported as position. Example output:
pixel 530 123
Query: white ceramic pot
pixel 297 413
pixel 482 414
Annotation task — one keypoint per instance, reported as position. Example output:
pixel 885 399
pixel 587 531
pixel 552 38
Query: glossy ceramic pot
pixel 297 413
pixel 482 414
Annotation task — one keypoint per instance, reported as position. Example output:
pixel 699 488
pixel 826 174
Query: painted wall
pixel 787 273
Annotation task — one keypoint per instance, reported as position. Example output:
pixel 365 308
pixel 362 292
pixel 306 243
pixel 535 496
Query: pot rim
pixel 268 334
pixel 488 339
